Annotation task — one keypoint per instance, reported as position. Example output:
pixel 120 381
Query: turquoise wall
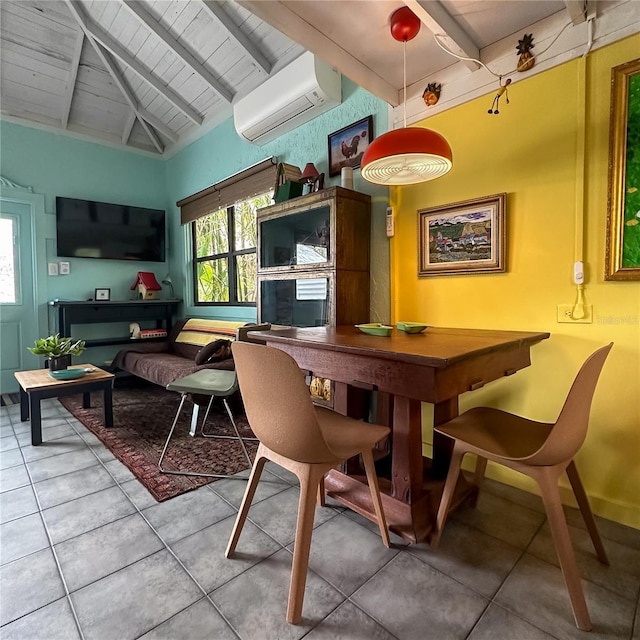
pixel 60 165
pixel 222 152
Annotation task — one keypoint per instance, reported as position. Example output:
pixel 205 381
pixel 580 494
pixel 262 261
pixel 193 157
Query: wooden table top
pixel 40 378
pixel 435 347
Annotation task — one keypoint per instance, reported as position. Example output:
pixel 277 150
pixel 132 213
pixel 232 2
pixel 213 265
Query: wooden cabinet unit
pixel 313 259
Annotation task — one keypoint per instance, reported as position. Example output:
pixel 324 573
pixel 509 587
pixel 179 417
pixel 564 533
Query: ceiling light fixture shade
pixel 406 156
pixel 412 154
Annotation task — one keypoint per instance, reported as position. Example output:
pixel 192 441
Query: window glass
pixel 212 234
pixel 225 265
pixel 8 258
pixel 213 280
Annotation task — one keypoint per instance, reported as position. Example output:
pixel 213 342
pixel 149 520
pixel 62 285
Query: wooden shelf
pixel 72 313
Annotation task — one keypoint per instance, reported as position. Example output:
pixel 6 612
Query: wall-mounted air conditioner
pixel 296 94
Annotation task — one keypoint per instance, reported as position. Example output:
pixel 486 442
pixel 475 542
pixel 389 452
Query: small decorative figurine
pixel 147 285
pixel 526 59
pixel 496 100
pixel 431 94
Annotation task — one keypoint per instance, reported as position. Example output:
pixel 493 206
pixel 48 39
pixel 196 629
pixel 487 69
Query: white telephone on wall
pixel 390 223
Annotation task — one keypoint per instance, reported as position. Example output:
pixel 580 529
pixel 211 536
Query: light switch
pixel 65 269
pixel 53 268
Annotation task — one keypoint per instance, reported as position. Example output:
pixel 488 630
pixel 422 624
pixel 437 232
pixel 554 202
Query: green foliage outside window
pixel 225 253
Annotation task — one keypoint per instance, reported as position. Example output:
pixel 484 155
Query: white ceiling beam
pixel 216 10
pixel 435 17
pixel 71 82
pixel 577 10
pixel 187 57
pixel 121 83
pixel 126 132
pixel 94 31
pixel 158 124
pixel 282 18
pixel 117 78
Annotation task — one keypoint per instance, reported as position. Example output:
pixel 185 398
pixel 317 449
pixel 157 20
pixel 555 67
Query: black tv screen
pixel 87 229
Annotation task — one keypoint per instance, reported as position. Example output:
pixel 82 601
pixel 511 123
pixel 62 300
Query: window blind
pixel 257 179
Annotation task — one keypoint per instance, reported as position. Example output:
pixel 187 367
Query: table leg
pixel 442 446
pixel 36 419
pixel 86 400
pixel 406 450
pixel 108 406
pixel 24 405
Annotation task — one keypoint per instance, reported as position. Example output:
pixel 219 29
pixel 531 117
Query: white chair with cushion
pixel 215 383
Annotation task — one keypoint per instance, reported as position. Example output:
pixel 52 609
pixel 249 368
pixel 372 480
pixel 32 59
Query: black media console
pixel 96 312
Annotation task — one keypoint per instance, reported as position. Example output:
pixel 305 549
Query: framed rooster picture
pixel 347 145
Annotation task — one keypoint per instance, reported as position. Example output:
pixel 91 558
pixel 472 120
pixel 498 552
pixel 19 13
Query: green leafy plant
pixel 55 346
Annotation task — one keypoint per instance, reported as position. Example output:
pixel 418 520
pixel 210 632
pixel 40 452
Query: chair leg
pixel 194 420
pixel 547 478
pixel 372 479
pixel 235 428
pixel 585 510
pixel 173 426
pixel 321 494
pixel 309 475
pixel 252 485
pixel 447 493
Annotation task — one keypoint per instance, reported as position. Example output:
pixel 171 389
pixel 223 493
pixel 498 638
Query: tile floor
pixel 87 553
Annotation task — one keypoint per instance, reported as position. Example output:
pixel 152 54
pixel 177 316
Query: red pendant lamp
pixel 412 154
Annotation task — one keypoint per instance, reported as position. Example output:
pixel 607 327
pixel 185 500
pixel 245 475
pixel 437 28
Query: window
pixel 8 262
pixel 224 249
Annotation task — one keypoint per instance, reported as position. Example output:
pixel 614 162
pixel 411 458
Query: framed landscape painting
pixel 463 237
pixel 623 222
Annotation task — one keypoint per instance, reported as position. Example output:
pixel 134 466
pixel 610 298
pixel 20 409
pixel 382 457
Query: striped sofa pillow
pixel 199 332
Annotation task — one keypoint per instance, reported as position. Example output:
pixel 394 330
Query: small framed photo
pixel 347 145
pixel 102 294
pixel 463 237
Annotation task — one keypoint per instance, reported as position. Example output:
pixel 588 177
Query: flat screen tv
pixel 87 229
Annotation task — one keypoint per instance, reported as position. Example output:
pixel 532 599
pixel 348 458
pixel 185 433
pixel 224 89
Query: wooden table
pixel 37 385
pixel 436 367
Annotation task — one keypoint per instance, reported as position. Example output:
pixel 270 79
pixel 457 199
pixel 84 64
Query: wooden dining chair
pixel 542 451
pixel 305 439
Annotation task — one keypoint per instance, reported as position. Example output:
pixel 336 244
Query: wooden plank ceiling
pixel 156 74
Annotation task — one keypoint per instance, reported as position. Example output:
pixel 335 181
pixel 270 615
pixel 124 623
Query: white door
pixel 18 311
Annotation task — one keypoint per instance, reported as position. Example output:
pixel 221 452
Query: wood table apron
pixel 435 367
pixel 37 385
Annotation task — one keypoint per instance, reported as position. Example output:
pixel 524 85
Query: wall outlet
pixel 53 268
pixel 65 268
pixel 565 314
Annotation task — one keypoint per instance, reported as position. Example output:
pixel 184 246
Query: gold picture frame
pixel 622 255
pixel 463 237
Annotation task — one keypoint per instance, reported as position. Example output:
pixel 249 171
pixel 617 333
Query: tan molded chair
pixel 306 440
pixel 542 451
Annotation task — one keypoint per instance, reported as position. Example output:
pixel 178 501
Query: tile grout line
pixel 165 544
pixel 54 553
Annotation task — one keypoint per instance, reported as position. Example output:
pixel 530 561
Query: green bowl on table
pixel 67 374
pixel 412 327
pixel 375 329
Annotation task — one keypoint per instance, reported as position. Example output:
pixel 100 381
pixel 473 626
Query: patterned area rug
pixel 7 399
pixel 142 417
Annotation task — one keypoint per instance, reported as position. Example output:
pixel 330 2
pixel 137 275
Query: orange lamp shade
pixel 406 156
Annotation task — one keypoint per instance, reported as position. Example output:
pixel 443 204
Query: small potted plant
pixel 57 350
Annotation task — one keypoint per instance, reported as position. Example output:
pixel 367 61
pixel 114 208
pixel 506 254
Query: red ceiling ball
pixel 404 24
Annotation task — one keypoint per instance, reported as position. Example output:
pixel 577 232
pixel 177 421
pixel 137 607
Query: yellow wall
pixel 529 152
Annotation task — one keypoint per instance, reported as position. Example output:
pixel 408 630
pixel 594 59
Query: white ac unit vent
pixel 296 94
